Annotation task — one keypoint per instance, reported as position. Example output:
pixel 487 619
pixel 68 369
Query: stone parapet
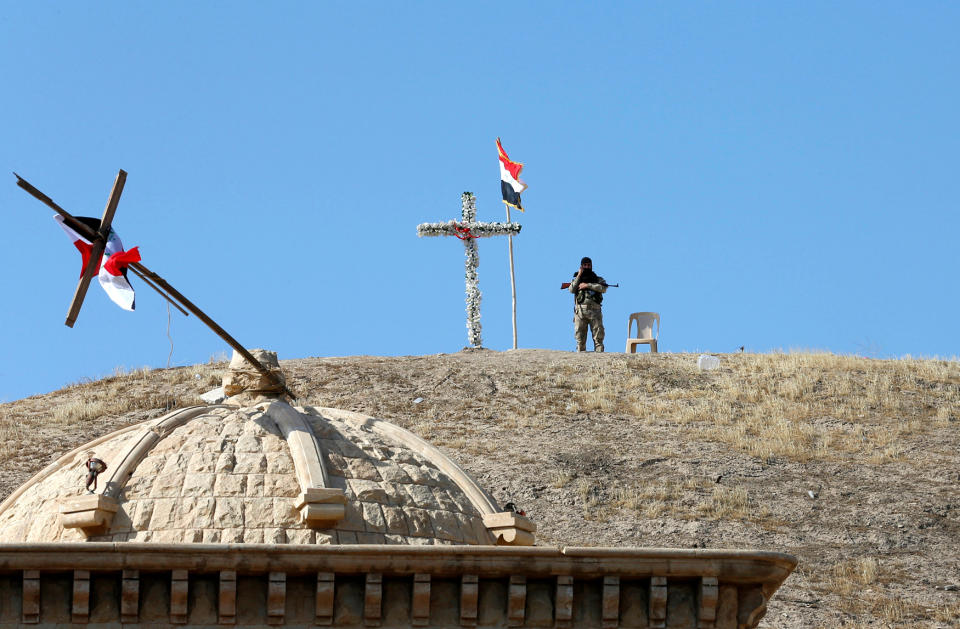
pixel 247 585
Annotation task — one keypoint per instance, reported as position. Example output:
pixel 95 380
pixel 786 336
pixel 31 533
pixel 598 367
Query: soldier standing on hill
pixel 588 288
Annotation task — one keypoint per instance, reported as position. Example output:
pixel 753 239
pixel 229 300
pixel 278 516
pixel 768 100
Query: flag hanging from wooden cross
pixel 112 273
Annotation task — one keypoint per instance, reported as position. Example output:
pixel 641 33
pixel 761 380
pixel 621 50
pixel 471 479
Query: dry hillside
pixel 851 464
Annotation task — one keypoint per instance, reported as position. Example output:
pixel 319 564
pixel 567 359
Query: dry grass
pixel 12 434
pixel 690 499
pixel 683 498
pixel 849 576
pixel 561 478
pixel 89 408
pixel 647 450
pixel 801 406
pixel 894 613
pixel 726 503
pixel 861 585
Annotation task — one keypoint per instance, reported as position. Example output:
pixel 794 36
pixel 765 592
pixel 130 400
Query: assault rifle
pixel 566 285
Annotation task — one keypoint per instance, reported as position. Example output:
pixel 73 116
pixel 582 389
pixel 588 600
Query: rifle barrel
pixel 566 285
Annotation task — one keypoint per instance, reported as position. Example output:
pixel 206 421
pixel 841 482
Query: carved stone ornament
pixel 510 529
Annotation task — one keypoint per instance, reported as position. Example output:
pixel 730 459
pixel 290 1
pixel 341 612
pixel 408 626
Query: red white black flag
pixel 510 184
pixel 112 264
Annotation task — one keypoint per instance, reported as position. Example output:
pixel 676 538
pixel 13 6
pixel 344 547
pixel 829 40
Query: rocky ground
pixel 848 463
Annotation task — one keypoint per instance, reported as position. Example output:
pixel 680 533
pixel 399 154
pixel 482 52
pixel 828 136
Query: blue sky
pixel 773 175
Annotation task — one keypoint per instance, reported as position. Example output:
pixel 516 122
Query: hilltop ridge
pixel 849 463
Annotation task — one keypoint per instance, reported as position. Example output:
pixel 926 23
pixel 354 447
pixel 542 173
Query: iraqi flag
pixel 510 183
pixel 112 264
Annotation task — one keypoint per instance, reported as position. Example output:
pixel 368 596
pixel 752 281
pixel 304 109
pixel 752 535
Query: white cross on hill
pixel 468 230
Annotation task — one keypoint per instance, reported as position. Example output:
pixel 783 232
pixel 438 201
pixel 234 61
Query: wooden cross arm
pixel 98 245
pixel 87 232
pixel 92 263
pixel 150 278
pixel 81 228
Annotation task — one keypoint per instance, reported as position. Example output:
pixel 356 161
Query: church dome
pixel 258 512
pixel 265 473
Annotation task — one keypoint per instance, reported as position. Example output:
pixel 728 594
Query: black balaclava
pixel 587 275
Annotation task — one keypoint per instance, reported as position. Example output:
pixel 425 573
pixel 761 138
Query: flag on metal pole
pixel 510 184
pixel 511 187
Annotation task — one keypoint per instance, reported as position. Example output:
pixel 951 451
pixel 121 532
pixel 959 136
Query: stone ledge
pixel 321 507
pixel 92 514
pixel 510 529
pixel 736 566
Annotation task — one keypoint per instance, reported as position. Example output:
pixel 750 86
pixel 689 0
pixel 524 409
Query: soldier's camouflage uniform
pixel 587 312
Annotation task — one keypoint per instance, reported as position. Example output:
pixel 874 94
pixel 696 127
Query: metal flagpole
pixel 513 280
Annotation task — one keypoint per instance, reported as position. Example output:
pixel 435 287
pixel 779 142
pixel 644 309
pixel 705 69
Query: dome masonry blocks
pixel 266 473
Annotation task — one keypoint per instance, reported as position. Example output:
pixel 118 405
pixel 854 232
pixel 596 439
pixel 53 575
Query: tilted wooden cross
pixel 93 263
pixel 99 237
pixel 468 230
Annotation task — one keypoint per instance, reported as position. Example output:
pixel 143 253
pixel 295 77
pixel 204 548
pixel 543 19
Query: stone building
pixel 257 512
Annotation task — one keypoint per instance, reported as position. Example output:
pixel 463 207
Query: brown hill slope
pixel 851 464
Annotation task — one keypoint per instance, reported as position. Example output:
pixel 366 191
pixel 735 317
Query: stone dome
pixel 264 473
pixel 262 513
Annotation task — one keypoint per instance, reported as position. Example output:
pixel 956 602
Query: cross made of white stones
pixel 468 230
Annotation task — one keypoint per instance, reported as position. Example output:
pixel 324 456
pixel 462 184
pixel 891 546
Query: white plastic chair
pixel 645 334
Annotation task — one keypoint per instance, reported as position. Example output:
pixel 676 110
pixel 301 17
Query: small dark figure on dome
pixel 94 468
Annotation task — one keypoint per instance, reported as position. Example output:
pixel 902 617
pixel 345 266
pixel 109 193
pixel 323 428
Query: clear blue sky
pixel 774 175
